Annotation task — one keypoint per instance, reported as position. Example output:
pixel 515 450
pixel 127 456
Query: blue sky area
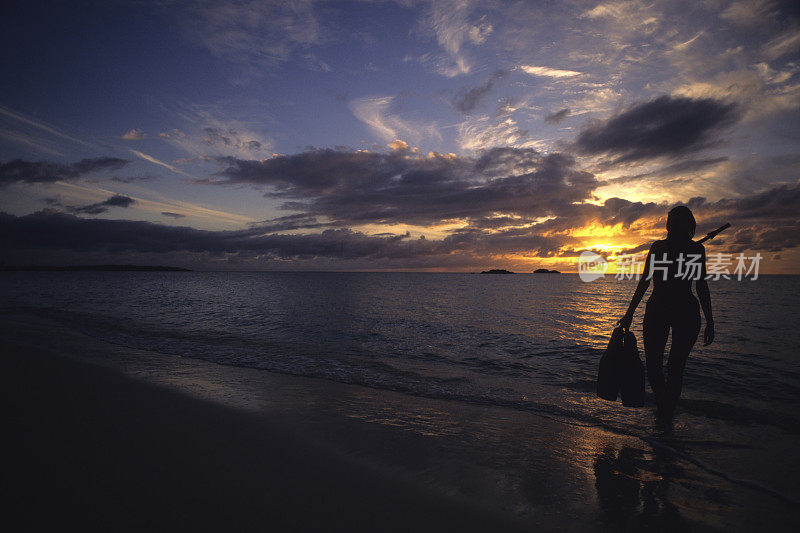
pixel 432 135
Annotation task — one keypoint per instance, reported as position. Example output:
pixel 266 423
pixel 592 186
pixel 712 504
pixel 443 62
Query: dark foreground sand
pixel 107 438
pixel 94 449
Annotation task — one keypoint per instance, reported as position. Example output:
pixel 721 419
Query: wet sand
pixel 109 438
pixel 95 449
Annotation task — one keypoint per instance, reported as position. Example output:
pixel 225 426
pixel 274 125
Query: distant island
pixel 545 271
pixel 96 268
pixel 497 271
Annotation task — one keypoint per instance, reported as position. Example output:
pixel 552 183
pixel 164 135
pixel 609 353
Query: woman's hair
pixel 680 222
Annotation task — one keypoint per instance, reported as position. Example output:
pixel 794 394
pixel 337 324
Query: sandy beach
pixel 109 438
pixel 96 449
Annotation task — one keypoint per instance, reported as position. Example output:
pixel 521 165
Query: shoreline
pixel 102 450
pixel 160 439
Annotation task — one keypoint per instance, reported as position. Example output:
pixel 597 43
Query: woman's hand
pixel 626 320
pixel 708 335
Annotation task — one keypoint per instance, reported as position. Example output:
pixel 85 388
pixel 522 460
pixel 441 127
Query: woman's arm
pixel 705 300
pixel 638 294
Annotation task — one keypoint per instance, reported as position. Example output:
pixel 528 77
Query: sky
pixel 452 135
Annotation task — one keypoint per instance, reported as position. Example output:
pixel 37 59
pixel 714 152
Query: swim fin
pixel 608 376
pixel 631 372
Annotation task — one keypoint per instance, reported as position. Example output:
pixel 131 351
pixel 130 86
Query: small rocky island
pixel 497 271
pixel 545 271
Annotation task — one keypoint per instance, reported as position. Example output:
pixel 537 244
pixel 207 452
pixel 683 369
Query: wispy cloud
pixel 501 130
pixel 485 132
pixel 375 112
pixel 204 134
pixel 34 142
pixel 256 35
pixel 595 100
pixel 450 22
pixel 153 202
pixel 42 126
pixel 783 44
pixel 627 16
pixel 548 72
pixel 468 99
pixel 760 90
pixel 155 161
pixel 556 117
pixel 749 13
pixel 135 135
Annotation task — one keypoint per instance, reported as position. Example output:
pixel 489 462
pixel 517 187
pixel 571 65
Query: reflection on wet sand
pixel 634 490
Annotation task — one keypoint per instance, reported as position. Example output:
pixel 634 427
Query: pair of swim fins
pixel 621 371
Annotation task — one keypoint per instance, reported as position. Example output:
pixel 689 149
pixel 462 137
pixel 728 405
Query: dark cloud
pixel 61 231
pixel 58 232
pixel 761 237
pixel 764 221
pixel 21 171
pixel 315 172
pixel 557 116
pixel 350 187
pixel 776 203
pixel 468 99
pixel 93 209
pixel 230 138
pixel 290 222
pixel 170 214
pixel 132 179
pixel 512 240
pixel 216 135
pixel 620 211
pixel 666 126
pixel 502 195
pixel 755 172
pixel 513 200
pixel 779 206
pixel 54 232
pixel 498 222
pixel 85 166
pixel 690 165
pixel 117 200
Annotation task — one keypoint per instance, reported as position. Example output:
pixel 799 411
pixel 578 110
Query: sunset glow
pixel 395 135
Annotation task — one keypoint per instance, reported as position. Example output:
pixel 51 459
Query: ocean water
pixel 523 342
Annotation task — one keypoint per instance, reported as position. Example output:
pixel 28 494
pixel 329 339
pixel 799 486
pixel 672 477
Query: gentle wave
pixel 310 359
pixel 523 342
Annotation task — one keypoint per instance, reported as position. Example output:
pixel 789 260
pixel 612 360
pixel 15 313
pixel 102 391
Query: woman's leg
pixel 656 331
pixel 685 329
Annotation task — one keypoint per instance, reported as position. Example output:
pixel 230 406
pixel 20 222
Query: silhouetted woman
pixel 672 264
